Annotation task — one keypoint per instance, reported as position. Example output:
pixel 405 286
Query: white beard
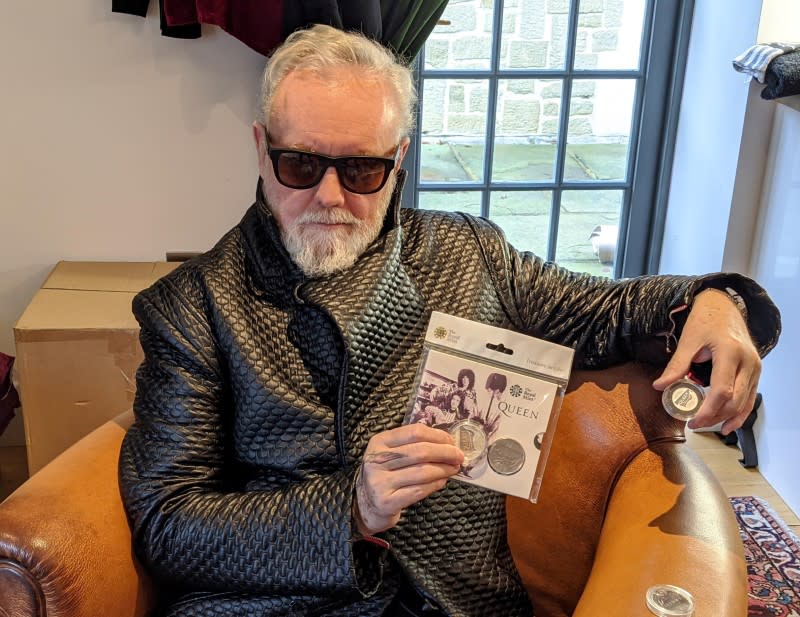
pixel 318 252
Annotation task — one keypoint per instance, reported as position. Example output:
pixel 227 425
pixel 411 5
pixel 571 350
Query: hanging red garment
pixel 139 7
pixel 264 24
pixel 180 12
pixel 257 23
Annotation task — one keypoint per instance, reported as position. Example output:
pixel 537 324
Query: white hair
pixel 321 48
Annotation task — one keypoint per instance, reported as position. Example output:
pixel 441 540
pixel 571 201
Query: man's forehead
pixel 314 111
pixel 353 82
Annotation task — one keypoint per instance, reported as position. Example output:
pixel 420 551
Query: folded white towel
pixel 755 60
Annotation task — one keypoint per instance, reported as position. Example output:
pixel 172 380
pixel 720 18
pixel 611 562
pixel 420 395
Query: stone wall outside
pixel 534 37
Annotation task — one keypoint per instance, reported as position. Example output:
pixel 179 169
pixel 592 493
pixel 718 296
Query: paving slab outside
pixel 525 215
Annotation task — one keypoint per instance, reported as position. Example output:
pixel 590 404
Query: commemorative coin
pixel 470 439
pixel 682 399
pixel 506 456
pixel 669 601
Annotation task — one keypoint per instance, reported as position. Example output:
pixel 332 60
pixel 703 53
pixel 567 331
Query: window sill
pixel 790 101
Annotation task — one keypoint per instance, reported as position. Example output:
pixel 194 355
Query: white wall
pixel 115 143
pixel 780 21
pixel 709 136
pixel 776 263
pixel 723 136
pixel 735 194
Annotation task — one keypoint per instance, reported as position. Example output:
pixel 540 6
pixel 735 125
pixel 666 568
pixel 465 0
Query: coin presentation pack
pixel 498 393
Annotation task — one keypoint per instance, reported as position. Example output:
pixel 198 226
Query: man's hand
pixel 401 467
pixel 715 330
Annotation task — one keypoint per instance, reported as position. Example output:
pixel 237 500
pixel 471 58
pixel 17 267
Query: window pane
pixel 453 130
pixel 526 130
pixel 534 34
pixel 609 34
pixel 524 216
pixel 451 201
pixel 588 223
pixel 464 39
pixel 600 115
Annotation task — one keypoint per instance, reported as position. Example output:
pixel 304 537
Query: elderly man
pixel 267 472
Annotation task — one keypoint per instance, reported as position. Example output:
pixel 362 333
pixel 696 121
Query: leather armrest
pixel 65 545
pixel 684 534
pixel 625 505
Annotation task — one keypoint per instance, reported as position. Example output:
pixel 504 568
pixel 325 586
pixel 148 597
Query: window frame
pixel 659 84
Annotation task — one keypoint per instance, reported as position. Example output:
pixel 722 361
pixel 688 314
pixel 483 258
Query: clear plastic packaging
pixel 682 399
pixel 498 393
pixel 669 601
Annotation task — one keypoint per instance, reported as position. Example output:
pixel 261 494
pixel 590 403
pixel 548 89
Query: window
pixel 552 118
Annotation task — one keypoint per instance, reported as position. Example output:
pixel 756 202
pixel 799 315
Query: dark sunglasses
pixel 299 169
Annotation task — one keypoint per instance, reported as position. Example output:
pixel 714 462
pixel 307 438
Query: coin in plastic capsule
pixel 669 601
pixel 471 439
pixel 682 399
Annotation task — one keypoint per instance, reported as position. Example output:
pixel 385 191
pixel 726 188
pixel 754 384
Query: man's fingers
pixel 412 454
pixel 400 467
pixel 728 390
pixel 413 433
pixel 424 474
pixel 409 495
pixel 383 487
pixel 737 421
pixel 387 494
pixel 412 494
pixel 676 368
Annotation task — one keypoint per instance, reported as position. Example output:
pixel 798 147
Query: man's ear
pixel 260 140
pixel 403 149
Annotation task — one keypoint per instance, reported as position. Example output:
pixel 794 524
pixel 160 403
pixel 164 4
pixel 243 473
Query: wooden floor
pixel 723 461
pixel 736 480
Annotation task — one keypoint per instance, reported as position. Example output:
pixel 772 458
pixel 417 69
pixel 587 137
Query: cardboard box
pixel 77 346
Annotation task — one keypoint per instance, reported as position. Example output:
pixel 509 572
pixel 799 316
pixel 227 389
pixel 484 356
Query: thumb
pixel 676 369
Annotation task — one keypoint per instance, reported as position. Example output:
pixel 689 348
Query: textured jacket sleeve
pixel 187 528
pixel 608 321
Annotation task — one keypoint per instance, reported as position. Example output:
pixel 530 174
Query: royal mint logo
pixel 440 332
pixel 515 390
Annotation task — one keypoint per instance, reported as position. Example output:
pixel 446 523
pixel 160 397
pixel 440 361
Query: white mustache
pixel 334 216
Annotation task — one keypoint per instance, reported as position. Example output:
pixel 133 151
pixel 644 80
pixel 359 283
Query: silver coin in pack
pixel 471 439
pixel 506 456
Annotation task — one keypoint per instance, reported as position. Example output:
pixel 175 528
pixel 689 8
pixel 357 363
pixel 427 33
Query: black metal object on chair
pixel 743 436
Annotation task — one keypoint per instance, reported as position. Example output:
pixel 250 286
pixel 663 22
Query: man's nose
pixel 330 192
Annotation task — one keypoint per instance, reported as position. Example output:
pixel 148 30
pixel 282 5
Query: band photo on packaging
pixel 496 417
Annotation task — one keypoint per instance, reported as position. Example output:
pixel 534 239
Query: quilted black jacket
pixel 260 389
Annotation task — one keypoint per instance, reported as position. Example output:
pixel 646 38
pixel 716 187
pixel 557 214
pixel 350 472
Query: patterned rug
pixel 772 552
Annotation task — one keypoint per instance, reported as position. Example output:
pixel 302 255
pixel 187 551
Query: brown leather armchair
pixel 624 505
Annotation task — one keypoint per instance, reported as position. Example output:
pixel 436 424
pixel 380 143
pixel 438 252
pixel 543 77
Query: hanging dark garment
pixel 408 23
pixel 782 76
pixel 186 30
pixel 256 23
pixel 360 15
pixel 402 25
